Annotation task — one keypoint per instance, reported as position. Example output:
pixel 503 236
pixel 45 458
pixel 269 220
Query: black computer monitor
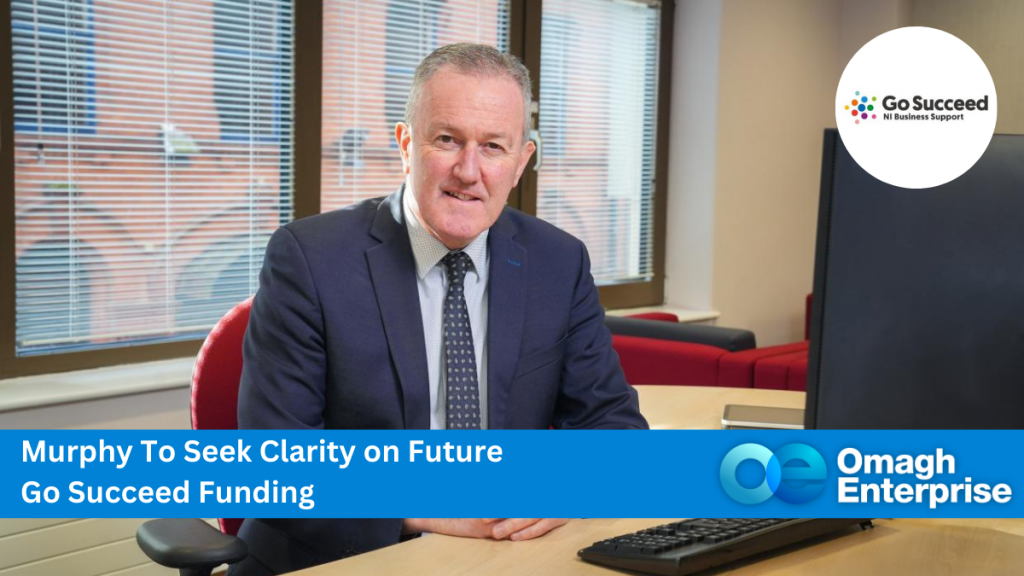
pixel 918 312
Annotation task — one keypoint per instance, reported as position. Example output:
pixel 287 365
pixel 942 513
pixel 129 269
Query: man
pixel 436 307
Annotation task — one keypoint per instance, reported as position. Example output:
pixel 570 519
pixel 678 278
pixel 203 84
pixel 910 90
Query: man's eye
pixel 445 139
pixel 493 146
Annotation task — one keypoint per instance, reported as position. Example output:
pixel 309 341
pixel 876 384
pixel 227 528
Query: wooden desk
pixel 898 547
pixel 700 408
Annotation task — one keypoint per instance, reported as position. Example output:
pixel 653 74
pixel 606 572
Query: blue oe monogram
pixel 776 473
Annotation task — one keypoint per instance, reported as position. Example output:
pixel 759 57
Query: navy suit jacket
pixel 335 340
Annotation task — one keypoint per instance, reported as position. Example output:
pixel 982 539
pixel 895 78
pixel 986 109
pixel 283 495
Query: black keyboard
pixel 694 545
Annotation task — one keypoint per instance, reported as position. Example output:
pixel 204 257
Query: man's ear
pixel 403 135
pixel 528 149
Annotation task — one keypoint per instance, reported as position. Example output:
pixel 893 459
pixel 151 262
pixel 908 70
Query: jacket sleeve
pixel 284 363
pixel 594 392
pixel 283 386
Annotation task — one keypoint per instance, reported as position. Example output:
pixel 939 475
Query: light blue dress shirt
pixel 432 283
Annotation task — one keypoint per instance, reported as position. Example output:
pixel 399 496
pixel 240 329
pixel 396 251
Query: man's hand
pixel 465 527
pixel 525 528
pixel 497 528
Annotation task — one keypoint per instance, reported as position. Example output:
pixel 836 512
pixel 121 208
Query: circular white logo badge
pixel 916 107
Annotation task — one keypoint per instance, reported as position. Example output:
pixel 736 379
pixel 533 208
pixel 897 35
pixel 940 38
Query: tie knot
pixel 457 264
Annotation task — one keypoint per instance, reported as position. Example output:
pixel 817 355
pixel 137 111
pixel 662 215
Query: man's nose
pixel 467 168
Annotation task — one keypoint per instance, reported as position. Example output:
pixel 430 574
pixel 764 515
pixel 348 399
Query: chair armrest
pixel 730 339
pixel 189 544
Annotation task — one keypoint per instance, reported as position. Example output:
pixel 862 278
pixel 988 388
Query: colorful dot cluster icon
pixel 859 108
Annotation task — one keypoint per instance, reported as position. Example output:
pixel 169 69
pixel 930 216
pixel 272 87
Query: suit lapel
pixel 393 273
pixel 506 309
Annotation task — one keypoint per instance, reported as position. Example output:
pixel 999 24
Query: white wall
pixel 862 20
pixel 743 196
pixel 777 83
pixel 162 410
pixel 87 547
pixel 995 30
pixel 693 133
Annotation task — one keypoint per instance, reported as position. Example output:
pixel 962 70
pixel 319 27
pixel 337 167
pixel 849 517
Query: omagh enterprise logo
pixel 795 473
pixel 862 108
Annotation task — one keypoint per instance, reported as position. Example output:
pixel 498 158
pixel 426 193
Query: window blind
pixel 598 96
pixel 153 159
pixel 371 49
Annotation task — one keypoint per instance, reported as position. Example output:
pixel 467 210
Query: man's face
pixel 464 154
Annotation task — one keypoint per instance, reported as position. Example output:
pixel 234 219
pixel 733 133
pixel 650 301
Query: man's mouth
pixel 459 196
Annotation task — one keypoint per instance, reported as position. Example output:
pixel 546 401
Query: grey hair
pixel 471 59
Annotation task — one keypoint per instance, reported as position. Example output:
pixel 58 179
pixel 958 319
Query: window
pixel 54 86
pixel 52 308
pixel 149 225
pixel 557 71
pixel 370 50
pixel 153 149
pixel 403 17
pixel 250 87
pixel 598 120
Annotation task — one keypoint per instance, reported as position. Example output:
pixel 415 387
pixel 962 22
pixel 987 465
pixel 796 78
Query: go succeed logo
pixel 916 107
pixel 782 478
pixel 862 108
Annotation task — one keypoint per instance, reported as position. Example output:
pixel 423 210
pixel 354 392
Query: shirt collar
pixel 429 251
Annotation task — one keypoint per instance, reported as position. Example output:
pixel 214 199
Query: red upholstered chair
pixel 191 545
pixel 215 378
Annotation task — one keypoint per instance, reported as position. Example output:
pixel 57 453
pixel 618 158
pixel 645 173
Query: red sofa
pixel 653 361
pixel 785 367
pixel 763 367
pixel 782 367
pixel 705 355
pixel 657 349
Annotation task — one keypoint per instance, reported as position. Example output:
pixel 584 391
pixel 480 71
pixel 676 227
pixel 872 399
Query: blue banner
pixel 607 474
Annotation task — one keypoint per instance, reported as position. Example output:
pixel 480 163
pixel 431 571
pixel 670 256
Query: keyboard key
pixel 604 546
pixel 629 548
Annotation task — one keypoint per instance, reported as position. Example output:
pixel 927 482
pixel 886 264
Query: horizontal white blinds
pixel 371 49
pixel 598 96
pixel 153 159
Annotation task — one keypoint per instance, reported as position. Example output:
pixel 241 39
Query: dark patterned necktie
pixel 461 385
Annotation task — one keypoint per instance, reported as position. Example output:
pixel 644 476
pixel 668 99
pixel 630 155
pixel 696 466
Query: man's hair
pixel 471 59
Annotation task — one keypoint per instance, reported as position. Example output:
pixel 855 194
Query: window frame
pixel 632 294
pixel 524 41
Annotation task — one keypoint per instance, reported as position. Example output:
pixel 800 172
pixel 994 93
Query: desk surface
pixel 700 408
pixel 904 547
